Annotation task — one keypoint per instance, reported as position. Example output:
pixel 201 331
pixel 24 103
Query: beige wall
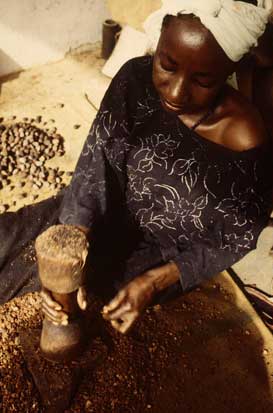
pixel 132 12
pixel 40 31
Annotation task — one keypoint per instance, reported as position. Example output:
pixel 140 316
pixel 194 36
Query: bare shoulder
pixel 244 128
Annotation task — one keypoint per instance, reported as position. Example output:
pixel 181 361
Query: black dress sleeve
pixel 237 221
pixel 98 178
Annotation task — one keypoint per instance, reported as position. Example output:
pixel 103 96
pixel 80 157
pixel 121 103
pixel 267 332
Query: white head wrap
pixel 235 25
pixel 266 4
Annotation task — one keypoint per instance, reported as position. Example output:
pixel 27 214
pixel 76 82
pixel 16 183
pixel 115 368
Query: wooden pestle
pixel 61 254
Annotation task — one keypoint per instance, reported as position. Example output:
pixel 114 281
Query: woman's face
pixel 189 67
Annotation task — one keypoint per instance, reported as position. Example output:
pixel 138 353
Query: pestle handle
pixel 68 302
pixel 61 254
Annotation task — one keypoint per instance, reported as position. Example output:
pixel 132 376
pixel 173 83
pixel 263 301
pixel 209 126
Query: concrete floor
pixel 57 92
pixel 257 266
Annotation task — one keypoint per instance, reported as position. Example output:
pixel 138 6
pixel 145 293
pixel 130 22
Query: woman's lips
pixel 171 107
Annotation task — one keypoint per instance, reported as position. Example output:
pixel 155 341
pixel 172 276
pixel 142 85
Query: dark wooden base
pixel 57 382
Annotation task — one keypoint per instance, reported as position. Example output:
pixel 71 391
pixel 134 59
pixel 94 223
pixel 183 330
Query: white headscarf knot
pixel 236 26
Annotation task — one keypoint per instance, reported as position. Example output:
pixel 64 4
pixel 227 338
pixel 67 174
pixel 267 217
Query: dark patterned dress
pixel 152 190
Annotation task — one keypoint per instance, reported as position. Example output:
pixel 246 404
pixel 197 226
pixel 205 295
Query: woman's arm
pixel 130 301
pixel 96 185
pixel 236 222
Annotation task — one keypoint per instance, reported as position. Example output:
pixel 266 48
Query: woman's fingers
pixel 55 321
pixel 54 316
pixel 81 298
pixel 124 324
pixel 126 306
pixel 128 322
pixel 47 298
pixel 52 309
pixel 115 303
pixel 115 324
pixel 58 315
pixel 119 311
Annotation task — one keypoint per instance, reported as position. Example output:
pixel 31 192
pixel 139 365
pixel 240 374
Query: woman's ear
pixel 263 53
pixel 233 68
pixel 246 61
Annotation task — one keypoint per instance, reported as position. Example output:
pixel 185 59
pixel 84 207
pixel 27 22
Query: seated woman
pixel 174 182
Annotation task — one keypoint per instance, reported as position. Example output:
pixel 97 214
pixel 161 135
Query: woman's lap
pixel 18 231
pixel 106 272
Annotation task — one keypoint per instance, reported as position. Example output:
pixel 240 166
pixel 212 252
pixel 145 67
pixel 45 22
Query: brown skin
pixel 262 95
pixel 255 77
pixel 189 73
pixel 127 305
pixel 263 53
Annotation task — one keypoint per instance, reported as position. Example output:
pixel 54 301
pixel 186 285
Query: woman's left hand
pixel 127 305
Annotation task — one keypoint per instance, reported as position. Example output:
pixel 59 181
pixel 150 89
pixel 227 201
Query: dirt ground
pixel 203 352
pixel 207 351
pixel 57 93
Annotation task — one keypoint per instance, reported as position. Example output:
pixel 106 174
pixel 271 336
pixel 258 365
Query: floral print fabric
pixel 182 197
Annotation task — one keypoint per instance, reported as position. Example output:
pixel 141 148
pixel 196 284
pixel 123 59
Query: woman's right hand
pixel 53 310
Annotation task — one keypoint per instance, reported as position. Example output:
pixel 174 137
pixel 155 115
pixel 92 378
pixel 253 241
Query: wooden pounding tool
pixel 61 254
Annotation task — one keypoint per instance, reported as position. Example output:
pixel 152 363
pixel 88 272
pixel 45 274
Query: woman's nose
pixel 178 93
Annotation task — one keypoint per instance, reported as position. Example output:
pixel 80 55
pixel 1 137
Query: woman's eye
pixel 205 85
pixel 167 67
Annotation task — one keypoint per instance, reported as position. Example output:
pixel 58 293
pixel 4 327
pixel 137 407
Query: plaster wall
pixel 41 31
pixel 132 12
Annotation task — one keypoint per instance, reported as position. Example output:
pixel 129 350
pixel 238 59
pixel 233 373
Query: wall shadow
pixel 10 66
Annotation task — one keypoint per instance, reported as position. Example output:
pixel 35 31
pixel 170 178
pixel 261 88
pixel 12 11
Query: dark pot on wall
pixel 110 30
